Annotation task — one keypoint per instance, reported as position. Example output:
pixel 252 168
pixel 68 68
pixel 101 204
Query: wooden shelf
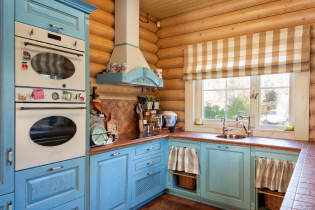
pixel 181 173
pixel 270 192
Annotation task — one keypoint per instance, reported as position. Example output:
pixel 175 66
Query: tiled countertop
pixel 301 190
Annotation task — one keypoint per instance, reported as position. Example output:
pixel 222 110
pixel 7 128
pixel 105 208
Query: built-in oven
pixel 50 126
pixel 48 60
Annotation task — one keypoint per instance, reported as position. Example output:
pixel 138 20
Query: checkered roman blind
pixel 271 52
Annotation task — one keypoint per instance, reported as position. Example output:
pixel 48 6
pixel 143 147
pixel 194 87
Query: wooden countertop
pixel 301 190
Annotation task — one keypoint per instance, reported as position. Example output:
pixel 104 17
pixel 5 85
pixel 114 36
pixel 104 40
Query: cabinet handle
pixel 115 154
pixel 57 27
pixel 56 168
pixel 150 173
pixel 222 147
pixel 10 156
pixel 10 205
pixel 150 163
pixel 150 148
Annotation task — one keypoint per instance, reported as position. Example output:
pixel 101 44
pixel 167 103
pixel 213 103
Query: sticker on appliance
pixel 66 95
pixel 38 94
pixel 26 55
pixel 24 65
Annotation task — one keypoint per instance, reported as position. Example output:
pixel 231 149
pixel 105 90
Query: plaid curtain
pixel 271 52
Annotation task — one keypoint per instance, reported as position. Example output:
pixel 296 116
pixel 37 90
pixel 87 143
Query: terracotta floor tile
pixel 304 191
pixel 303 206
pixel 179 199
pixel 202 206
pixel 287 202
pixel 305 198
pixel 307 186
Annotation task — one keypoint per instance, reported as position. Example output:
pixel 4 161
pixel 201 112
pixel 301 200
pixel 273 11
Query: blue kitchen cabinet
pixel 51 15
pixel 77 204
pixel 7 202
pixel 51 185
pixel 110 180
pixel 225 174
pixel 6 96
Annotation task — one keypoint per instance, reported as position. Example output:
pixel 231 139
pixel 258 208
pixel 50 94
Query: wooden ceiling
pixel 166 8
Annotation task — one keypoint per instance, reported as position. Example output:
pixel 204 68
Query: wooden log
pixel 106 5
pixel 270 23
pixel 148 46
pixel 181 124
pixel 152 66
pixel 312 31
pixel 150 57
pixel 171 52
pixel 172 105
pixel 102 44
pixel 171 95
pixel 312 75
pixel 312 61
pixel 148 35
pixel 171 63
pixel 96 69
pixel 174 84
pixel 253 13
pixel 312 45
pixel 151 26
pixel 312 134
pixel 312 93
pixel 102 30
pixel 176 73
pixel 218 9
pixel 143 14
pixel 99 57
pixel 180 116
pixel 103 17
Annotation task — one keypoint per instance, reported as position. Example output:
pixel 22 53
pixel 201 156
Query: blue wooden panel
pixel 147 184
pixel 41 13
pixel 6 201
pixel 109 185
pixel 40 188
pixel 147 149
pixel 77 204
pixel 275 154
pixel 6 95
pixel 146 163
pixel 225 174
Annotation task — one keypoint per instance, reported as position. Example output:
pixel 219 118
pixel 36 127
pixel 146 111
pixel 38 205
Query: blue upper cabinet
pixel 51 15
pixel 225 174
pixel 6 96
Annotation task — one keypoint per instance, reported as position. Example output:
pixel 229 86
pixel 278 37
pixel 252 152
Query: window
pixel 230 97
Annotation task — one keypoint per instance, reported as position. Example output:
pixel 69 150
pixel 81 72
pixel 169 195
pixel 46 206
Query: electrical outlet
pixel 158 24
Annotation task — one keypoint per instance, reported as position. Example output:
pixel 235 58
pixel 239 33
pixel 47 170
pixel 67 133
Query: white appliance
pixel 48 130
pixel 48 60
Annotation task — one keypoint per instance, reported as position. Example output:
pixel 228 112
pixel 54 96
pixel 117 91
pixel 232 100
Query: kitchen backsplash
pixel 124 113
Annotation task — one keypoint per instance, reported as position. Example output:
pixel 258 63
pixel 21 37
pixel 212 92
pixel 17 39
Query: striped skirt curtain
pixel 184 159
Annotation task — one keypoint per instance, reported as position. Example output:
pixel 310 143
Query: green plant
pixel 213 112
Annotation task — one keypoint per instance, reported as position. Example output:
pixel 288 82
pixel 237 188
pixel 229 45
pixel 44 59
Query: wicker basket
pixel 186 180
pixel 273 202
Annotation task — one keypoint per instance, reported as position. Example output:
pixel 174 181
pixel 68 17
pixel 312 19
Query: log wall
pixel 102 34
pixel 234 18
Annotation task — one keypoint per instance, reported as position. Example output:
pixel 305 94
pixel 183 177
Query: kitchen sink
pixel 231 136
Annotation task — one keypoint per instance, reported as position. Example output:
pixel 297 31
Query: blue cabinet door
pixel 109 185
pixel 6 96
pixel 225 174
pixel 77 204
pixel 7 202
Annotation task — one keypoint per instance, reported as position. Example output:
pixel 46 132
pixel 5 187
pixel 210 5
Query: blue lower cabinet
pixel 77 204
pixel 147 184
pixel 7 202
pixel 225 174
pixel 51 185
pixel 109 180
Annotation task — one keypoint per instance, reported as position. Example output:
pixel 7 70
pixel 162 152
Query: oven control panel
pixel 49 95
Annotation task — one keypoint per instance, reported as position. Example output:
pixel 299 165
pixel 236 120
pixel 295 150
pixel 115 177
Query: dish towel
pixel 184 159
pixel 273 174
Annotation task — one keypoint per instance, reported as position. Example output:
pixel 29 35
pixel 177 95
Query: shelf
pixel 270 192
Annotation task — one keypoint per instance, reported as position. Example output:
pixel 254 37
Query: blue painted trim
pixel 127 44
pixel 79 5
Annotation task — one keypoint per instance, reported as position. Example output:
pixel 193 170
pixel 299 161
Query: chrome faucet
pixel 224 129
pixel 249 130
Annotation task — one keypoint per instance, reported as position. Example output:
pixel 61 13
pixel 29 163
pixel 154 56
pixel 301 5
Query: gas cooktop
pixel 136 136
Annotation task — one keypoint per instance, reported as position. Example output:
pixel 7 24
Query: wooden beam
pixel 176 73
pixel 174 84
pixel 312 61
pixel 152 66
pixel 171 52
pixel 143 14
pixel 252 13
pixel 172 105
pixel 218 9
pixel 102 44
pixel 103 17
pixel 151 26
pixel 312 31
pixel 270 23
pixel 102 30
pixel 148 46
pixel 96 69
pixel 171 63
pixel 313 46
pixel 150 57
pixel 148 35
pixel 99 57
pixel 106 5
pixel 312 75
pixel 181 124
pixel 171 95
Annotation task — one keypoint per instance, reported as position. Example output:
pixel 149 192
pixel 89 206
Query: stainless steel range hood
pixel 127 49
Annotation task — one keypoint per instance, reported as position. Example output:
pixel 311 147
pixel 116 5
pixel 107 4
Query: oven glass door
pixel 39 64
pixel 48 135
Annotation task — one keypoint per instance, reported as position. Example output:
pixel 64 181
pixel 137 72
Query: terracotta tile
pixel 289 196
pixel 304 191
pixel 287 202
pixel 285 208
pixel 179 199
pixel 307 186
pixel 303 206
pixel 202 206
pixel 305 198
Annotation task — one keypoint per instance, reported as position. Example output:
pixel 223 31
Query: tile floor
pixel 168 201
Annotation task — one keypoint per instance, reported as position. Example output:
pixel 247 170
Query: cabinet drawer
pixel 147 184
pixel 7 201
pixel 148 149
pixel 147 163
pixel 47 186
pixel 77 204
pixel 45 13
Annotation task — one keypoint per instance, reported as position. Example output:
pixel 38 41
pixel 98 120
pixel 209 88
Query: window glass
pixel 274 99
